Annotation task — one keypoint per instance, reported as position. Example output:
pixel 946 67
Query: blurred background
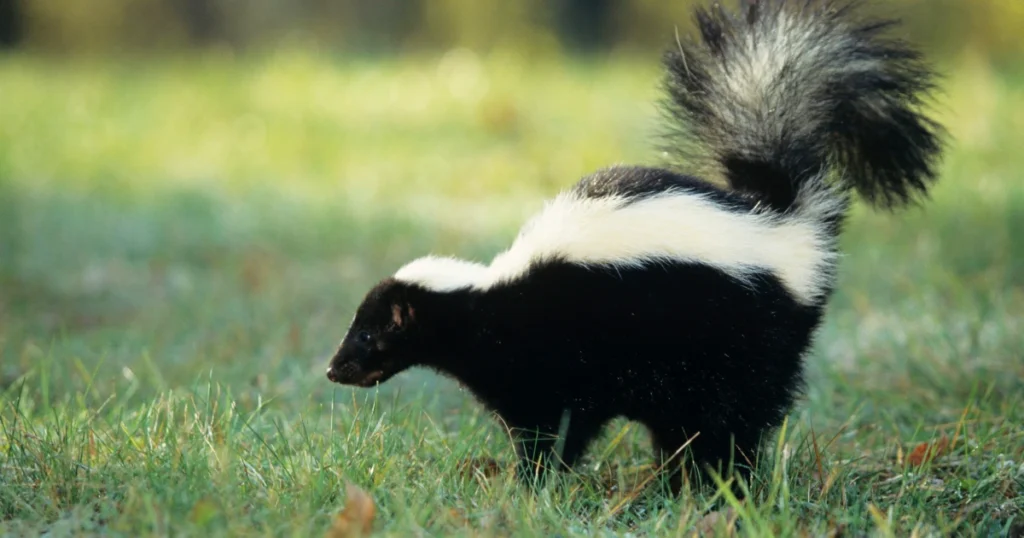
pixel 196 184
pixel 540 27
pixel 195 195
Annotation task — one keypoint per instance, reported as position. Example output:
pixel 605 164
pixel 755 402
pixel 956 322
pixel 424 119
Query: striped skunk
pixel 648 293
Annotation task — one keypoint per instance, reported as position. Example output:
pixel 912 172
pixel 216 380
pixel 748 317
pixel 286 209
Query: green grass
pixel 183 242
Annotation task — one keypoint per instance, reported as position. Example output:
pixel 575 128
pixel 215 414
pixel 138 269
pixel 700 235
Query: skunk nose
pixel 332 374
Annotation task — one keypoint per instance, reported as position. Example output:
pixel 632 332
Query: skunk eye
pixel 363 337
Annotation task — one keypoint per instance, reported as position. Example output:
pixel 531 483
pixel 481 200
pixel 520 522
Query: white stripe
pixel 679 226
pixel 442 274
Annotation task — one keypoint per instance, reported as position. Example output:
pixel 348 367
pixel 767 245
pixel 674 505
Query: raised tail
pixel 796 102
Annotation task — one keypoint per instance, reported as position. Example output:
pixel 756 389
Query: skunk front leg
pixel 552 444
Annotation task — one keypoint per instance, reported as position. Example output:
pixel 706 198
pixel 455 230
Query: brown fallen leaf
pixel 489 467
pixel 710 524
pixel 458 516
pixel 836 530
pixel 356 518
pixel 928 451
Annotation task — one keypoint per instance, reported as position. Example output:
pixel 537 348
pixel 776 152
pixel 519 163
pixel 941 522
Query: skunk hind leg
pixel 695 457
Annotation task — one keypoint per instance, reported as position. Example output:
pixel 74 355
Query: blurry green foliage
pixel 991 27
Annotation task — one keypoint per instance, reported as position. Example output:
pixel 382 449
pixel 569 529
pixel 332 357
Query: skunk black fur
pixel 654 295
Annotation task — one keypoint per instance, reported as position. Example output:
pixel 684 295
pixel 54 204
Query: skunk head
pixel 382 340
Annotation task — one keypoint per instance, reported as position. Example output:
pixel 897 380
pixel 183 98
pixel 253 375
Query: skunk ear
pixel 396 315
pixel 401 315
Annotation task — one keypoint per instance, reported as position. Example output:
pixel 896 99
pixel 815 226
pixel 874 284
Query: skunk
pixel 682 303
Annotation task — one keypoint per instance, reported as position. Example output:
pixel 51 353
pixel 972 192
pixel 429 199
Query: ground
pixel 183 241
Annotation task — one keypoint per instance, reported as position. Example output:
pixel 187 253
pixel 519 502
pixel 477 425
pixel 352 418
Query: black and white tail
pixel 785 96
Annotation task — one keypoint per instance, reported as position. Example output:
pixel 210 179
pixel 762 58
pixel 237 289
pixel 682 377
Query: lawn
pixel 183 241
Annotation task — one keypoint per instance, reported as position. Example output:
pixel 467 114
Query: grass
pixel 183 242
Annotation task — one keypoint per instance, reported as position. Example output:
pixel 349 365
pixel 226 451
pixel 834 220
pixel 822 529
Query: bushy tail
pixel 786 95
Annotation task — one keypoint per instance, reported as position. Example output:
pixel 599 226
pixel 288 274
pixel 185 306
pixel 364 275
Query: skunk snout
pixel 339 368
pixel 354 375
pixel 350 367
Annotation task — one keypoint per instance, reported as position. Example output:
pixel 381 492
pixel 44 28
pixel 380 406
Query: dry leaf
pixel 712 522
pixel 356 518
pixel 836 530
pixel 489 467
pixel 458 516
pixel 928 451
